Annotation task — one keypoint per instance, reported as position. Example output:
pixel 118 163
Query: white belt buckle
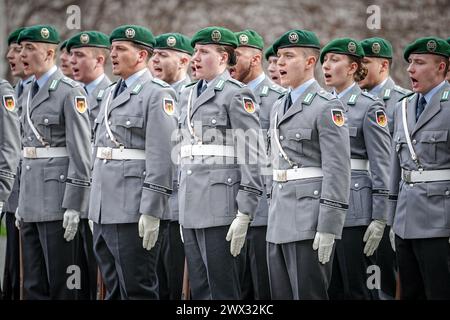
pixel 107 153
pixel 30 152
pixel 282 176
pixel 407 175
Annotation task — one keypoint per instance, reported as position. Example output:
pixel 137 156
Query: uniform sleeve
pixel 246 127
pixel 378 142
pixel 395 170
pixel 78 144
pixel 159 168
pixel 10 140
pixel 334 144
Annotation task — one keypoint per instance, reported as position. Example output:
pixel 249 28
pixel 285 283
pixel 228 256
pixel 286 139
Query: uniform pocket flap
pixel 309 190
pixel 128 121
pixel 47 120
pixel 360 184
pixel 225 176
pixel 352 131
pixel 434 136
pixel 434 189
pixel 299 134
pixel 55 173
pixel 133 170
pixel 215 120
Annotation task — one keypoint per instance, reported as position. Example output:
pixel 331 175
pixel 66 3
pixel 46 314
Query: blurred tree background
pixel 400 21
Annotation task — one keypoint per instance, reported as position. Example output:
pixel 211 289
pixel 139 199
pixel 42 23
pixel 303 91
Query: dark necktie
pixel 201 88
pixel 122 87
pixel 420 107
pixel 20 89
pixel 287 103
pixel 34 89
pixel 85 90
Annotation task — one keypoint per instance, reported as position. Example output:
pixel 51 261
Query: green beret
pixel 430 45
pixel 215 35
pixel 88 39
pixel 249 38
pixel 377 48
pixel 133 33
pixel 63 45
pixel 13 36
pixel 39 33
pixel 297 38
pixel 174 41
pixel 345 46
pixel 269 53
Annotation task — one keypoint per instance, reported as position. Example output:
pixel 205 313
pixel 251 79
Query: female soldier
pixel 369 144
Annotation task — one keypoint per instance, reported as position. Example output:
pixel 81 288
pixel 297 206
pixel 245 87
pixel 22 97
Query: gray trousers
pixel 295 272
pixel 213 271
pixel 128 270
pixel 47 262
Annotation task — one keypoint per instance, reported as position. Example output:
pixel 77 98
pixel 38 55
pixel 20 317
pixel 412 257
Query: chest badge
pixel 338 117
pixel 381 118
pixel 80 104
pixel 168 105
pixel 249 106
pixel 9 102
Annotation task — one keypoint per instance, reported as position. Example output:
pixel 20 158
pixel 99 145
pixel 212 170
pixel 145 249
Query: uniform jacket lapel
pixel 94 102
pixel 209 93
pixel 43 93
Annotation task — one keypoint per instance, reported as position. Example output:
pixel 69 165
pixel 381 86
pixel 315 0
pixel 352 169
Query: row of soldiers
pixel 110 171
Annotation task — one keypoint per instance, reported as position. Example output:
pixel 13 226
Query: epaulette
pixel 402 90
pixel 3 81
pixel 70 82
pixel 445 95
pixel 160 82
pixel 100 94
pixel 369 95
pixel 236 82
pixel 326 95
pixel 277 89
pixel 54 84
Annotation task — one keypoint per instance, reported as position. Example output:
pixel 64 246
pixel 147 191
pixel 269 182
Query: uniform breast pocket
pixel 435 144
pixel 47 125
pixel 299 140
pixel 54 182
pixel 214 128
pixel 308 198
pixel 223 189
pixel 134 174
pixel 130 130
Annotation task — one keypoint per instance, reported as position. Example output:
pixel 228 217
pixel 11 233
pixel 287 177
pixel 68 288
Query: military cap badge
pixel 293 37
pixel 168 106
pixel 45 33
pixel 376 47
pixel 381 118
pixel 351 47
pixel 243 39
pixel 80 104
pixel 431 45
pixel 338 117
pixel 84 38
pixel 216 35
pixel 171 41
pixel 9 102
pixel 249 106
pixel 130 33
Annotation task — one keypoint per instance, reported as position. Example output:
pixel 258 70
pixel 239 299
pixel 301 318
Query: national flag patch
pixel 381 118
pixel 338 117
pixel 9 102
pixel 249 106
pixel 169 106
pixel 80 104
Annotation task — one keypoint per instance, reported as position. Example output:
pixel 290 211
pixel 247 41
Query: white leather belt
pixel 44 152
pixel 297 174
pixel 359 164
pixel 120 154
pixel 207 150
pixel 425 175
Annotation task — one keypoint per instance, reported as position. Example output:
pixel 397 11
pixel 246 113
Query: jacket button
pixel 104 160
pixel 414 141
pixel 189 172
pixel 30 139
pixel 229 180
pixel 95 120
pixel 356 185
pixel 316 192
pixel 280 186
pixel 128 122
pixel 191 157
pixel 192 141
pixel 281 137
pixel 27 167
pixel 281 155
pixel 46 121
pixel 213 121
pixel 447 193
pixel 144 173
pixel 109 122
pixel 107 136
pixel 61 177
pixel 297 135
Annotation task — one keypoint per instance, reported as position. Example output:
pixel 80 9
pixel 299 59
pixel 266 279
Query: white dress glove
pixel 148 229
pixel 392 238
pixel 18 221
pixel 324 242
pixel 237 233
pixel 373 235
pixel 71 220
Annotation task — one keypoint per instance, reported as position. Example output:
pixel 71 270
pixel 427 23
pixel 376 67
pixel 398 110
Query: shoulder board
pixel 309 98
pixel 238 83
pixel 387 94
pixel 368 95
pixel 219 85
pixel 137 88
pixel 100 94
pixel 53 85
pixel 160 82
pixel 3 81
pixel 352 99
pixel 277 89
pixel 69 81
pixel 402 90
pixel 190 84
pixel 445 95
pixel 326 95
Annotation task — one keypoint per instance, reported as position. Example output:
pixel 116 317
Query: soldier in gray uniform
pixel 272 68
pixel 370 146
pixel 420 174
pixel 89 51
pixel 11 276
pixel 249 70
pixel 220 184
pixel 311 171
pixel 170 63
pixel 378 60
pixel 64 63
pixel 55 177
pixel 132 175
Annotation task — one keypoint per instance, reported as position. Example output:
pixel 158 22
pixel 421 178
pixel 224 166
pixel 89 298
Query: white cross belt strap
pixel 207 150
pixel 30 122
pixel 120 154
pixel 359 164
pixel 406 131
pixel 425 175
pixel 297 174
pixel 46 152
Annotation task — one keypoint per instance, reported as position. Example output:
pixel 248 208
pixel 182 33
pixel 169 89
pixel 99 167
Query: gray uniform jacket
pixel 213 188
pixel 266 93
pixel 422 209
pixel 310 138
pixel 9 139
pixel 179 86
pixel 48 186
pixel 122 190
pixel 95 99
pixel 369 139
pixel 391 94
